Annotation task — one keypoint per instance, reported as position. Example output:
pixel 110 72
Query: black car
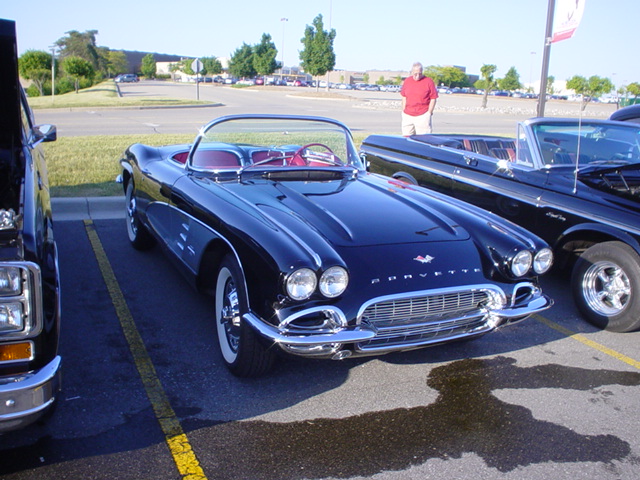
pixel 29 280
pixel 630 113
pixel 576 183
pixel 305 252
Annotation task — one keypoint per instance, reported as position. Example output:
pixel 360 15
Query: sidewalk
pixel 81 208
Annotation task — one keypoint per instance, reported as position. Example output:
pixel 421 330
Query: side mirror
pixel 45 133
pixel 365 162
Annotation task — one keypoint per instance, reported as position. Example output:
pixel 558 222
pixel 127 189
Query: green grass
pixel 103 95
pixel 88 166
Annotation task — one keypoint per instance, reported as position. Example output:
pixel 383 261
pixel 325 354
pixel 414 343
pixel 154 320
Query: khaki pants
pixel 418 125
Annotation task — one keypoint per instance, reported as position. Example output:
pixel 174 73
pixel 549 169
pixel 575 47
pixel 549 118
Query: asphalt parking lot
pixel 146 395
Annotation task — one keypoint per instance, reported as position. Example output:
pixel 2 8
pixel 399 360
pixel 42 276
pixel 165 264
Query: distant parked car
pixel 627 114
pixel 126 78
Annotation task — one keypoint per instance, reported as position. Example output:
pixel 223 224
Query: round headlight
pixel 521 263
pixel 542 261
pixel 301 284
pixel 334 281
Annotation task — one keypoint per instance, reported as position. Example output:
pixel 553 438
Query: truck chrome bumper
pixel 24 398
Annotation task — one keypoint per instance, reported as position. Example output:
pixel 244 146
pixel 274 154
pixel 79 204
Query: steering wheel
pixel 299 156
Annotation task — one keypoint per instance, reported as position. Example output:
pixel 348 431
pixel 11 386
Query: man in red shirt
pixel 419 96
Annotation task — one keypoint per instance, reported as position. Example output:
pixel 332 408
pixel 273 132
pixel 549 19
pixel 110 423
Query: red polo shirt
pixel 418 95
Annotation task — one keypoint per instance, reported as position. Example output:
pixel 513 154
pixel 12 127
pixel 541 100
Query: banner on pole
pixel 566 19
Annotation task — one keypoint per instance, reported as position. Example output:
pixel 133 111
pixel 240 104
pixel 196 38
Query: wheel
pixel 242 351
pixel 139 236
pixel 606 286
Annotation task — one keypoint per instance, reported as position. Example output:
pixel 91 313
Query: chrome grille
pixel 427 319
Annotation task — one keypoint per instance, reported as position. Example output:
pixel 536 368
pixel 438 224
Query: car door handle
pixel 472 162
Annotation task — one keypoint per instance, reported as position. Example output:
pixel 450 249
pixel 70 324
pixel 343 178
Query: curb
pixel 87 208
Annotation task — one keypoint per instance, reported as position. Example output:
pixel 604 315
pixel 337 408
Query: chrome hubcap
pixel 230 316
pixel 131 215
pixel 606 288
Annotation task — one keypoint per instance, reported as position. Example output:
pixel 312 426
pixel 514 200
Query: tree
pixel 77 68
pixel 511 80
pixel 35 65
pixel 116 63
pixel 589 88
pixel 453 77
pixel 550 81
pixel 487 71
pixel 211 66
pixel 434 73
pixel 148 66
pixel 317 57
pixel 264 56
pixel 241 62
pixel 449 76
pixel 82 45
pixel 633 89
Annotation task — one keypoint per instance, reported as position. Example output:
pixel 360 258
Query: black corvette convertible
pixel 305 252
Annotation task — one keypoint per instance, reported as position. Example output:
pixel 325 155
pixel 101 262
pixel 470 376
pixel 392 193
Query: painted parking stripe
pixel 590 343
pixel 179 446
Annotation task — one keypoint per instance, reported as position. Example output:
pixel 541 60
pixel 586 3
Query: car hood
pixel 350 211
pixel 10 120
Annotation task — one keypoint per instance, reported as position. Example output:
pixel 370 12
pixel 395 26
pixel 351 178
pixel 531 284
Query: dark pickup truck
pixel 29 280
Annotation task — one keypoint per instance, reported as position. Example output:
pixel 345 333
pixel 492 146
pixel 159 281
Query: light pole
pixel 53 71
pixel 283 20
pixel 531 73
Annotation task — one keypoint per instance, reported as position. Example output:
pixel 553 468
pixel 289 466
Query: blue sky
pixel 371 34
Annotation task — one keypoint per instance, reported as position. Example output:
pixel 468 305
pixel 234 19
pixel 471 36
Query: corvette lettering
pixel 426 274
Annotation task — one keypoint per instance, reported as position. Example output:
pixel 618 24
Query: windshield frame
pixel 560 142
pixel 246 135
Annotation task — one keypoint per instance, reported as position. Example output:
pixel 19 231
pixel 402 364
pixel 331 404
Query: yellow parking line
pixel 590 343
pixel 183 454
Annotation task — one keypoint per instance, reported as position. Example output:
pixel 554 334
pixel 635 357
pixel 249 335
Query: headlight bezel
pixel 11 281
pixel 24 298
pixel 521 263
pixel 327 284
pixel 543 261
pixel 301 283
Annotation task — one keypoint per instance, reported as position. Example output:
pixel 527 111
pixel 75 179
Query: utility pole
pixel 542 98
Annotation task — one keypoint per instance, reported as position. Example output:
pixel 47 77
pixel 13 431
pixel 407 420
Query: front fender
pixel 596 232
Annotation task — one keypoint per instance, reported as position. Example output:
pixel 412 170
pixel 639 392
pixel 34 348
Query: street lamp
pixel 53 71
pixel 283 20
pixel 531 73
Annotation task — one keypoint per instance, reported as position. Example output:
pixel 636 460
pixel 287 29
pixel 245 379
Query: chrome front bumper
pixel 365 338
pixel 26 397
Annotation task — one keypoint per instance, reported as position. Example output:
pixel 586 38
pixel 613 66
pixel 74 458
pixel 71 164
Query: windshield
pixel 274 141
pixel 588 143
